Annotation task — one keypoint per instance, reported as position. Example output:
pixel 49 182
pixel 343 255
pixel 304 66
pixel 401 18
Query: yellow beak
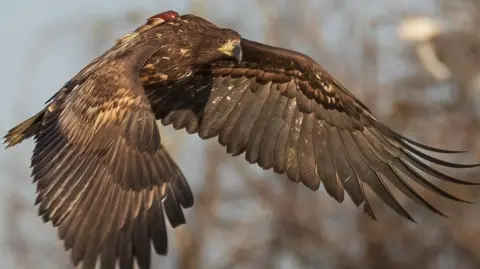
pixel 232 48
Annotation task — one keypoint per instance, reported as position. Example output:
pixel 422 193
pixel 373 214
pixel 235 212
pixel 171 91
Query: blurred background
pixel 415 63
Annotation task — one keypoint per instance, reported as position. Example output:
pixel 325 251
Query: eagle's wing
pixel 287 113
pixel 102 175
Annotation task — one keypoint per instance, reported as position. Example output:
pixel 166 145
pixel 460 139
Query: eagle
pixel 107 183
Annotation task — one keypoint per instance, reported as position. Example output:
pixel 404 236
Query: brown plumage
pixel 106 181
pixel 288 114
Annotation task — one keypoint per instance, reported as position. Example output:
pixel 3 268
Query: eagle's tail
pixel 24 130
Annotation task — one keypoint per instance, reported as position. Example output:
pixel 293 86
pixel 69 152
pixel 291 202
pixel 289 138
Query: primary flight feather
pixel 105 180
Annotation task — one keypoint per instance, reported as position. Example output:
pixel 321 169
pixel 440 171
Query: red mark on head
pixel 167 15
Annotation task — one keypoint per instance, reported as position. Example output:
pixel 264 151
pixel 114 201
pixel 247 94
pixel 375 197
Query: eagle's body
pixel 106 181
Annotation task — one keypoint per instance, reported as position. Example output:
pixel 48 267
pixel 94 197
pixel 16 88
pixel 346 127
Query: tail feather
pixel 24 130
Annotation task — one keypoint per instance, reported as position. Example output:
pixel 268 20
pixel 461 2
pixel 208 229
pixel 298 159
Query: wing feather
pixel 347 176
pixel 103 177
pixel 285 112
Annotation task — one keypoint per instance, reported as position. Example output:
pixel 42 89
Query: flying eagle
pixel 105 180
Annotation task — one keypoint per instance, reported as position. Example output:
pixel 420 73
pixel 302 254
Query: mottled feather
pixel 285 112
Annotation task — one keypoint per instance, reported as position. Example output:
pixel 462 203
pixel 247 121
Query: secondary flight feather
pixel 105 180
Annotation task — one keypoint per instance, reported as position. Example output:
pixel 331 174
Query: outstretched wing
pixel 102 175
pixel 287 113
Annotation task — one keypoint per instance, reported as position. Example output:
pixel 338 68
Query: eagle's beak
pixel 238 52
pixel 232 48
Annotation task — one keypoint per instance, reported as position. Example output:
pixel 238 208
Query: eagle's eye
pixel 222 41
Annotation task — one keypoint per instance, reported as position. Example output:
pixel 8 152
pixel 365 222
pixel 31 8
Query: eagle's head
pixel 188 43
pixel 224 43
pixel 215 45
pixel 204 42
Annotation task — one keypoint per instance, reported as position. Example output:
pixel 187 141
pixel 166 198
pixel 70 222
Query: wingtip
pixel 467 202
pixel 443 215
pixel 466 183
pixel 426 147
pixel 8 142
pixel 400 137
pixel 368 210
pixel 408 216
